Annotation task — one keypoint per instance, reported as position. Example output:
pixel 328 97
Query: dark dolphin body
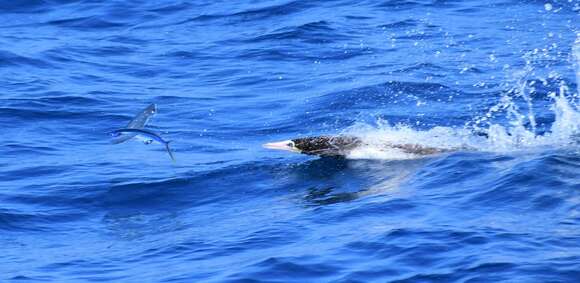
pixel 340 146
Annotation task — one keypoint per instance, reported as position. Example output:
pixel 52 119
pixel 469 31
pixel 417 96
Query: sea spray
pixel 519 131
pixel 576 58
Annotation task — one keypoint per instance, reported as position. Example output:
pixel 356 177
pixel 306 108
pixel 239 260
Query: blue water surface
pixel 228 76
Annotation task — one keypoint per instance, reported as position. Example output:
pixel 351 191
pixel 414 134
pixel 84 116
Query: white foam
pixel 576 56
pixel 518 134
pixel 375 138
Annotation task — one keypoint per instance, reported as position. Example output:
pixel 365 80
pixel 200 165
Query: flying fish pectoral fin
pixel 143 117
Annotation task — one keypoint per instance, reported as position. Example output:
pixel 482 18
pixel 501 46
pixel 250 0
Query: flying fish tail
pixel 169 151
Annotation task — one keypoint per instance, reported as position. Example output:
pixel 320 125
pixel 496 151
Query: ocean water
pixel 498 79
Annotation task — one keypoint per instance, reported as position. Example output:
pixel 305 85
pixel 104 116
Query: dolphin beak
pixel 283 145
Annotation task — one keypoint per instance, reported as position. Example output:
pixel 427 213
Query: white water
pixel 519 133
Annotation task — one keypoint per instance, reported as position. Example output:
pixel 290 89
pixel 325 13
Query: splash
pixel 517 130
pixel 576 56
pixel 375 137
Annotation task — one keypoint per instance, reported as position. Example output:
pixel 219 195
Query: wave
pixel 254 14
pixel 313 32
pixel 11 59
pixel 90 22
pixel 23 6
pixel 408 23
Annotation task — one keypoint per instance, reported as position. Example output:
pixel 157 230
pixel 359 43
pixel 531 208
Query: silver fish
pixel 146 133
pixel 138 122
